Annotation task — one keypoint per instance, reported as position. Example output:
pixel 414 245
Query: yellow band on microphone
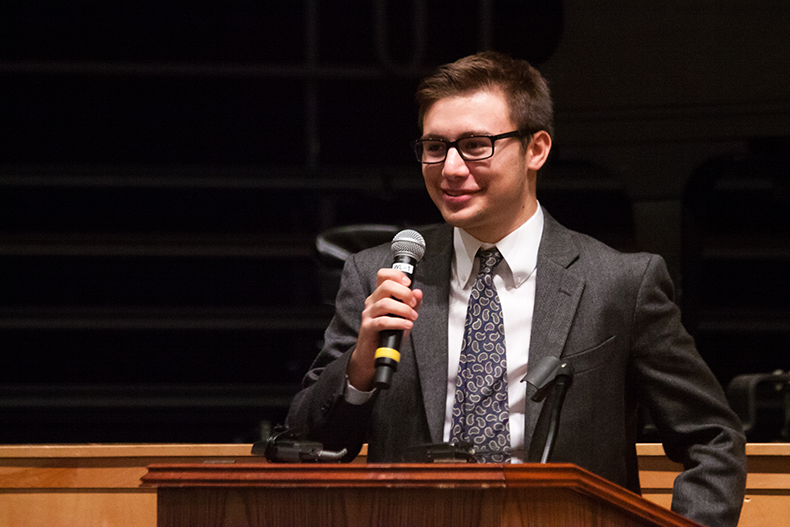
pixel 388 353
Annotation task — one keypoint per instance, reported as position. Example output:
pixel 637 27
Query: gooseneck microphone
pixel 408 246
pixel 550 372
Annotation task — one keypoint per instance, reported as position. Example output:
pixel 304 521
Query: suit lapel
pixel 557 296
pixel 429 335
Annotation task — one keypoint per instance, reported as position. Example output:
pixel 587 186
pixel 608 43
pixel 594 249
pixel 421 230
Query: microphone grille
pixel 410 243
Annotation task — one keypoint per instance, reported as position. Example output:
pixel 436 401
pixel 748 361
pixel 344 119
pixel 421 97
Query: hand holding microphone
pixel 407 247
pixel 389 311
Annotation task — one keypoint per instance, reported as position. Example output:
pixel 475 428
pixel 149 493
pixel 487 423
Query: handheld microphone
pixel 408 246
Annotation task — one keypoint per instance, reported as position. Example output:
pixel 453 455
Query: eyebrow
pixel 471 133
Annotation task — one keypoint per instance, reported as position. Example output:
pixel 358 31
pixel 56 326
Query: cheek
pixel 431 176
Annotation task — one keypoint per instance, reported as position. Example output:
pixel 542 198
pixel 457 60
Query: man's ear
pixel 538 150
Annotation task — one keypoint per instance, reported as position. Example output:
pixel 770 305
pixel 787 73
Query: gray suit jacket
pixel 610 314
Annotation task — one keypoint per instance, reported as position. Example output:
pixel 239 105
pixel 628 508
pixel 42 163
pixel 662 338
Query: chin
pixel 462 220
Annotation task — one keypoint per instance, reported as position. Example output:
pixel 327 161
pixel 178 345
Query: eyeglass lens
pixel 470 148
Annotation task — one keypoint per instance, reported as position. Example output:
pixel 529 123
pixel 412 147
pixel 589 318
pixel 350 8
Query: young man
pixel 486 130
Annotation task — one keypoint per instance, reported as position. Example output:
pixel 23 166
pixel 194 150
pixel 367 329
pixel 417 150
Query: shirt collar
pixel 519 249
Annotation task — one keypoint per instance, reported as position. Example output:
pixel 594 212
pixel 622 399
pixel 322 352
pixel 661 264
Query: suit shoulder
pixel 605 259
pixel 369 260
pixel 589 244
pixel 561 243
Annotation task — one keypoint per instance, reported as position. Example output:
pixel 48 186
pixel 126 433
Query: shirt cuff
pixel 356 397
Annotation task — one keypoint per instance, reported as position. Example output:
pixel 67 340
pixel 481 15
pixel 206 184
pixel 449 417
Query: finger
pixel 396 290
pixel 387 273
pixel 389 307
pixel 418 295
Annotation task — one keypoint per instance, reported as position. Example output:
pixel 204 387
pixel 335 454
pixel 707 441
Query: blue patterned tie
pixel 481 412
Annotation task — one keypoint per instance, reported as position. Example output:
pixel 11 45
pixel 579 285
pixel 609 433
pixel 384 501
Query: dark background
pixel 165 168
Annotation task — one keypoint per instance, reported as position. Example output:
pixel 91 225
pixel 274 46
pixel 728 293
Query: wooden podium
pixel 259 494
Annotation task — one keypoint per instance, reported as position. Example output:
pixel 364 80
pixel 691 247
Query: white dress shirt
pixel 514 279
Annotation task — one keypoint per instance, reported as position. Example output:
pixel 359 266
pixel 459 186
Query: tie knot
pixel 489 259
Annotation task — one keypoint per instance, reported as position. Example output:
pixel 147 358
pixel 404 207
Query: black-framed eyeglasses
pixel 470 148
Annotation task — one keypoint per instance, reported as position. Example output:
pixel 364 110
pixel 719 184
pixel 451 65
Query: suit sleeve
pixel 688 406
pixel 319 412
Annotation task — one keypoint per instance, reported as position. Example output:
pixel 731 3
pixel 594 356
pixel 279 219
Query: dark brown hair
pixel 526 91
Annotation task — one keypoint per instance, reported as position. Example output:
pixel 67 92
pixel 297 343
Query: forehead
pixel 480 111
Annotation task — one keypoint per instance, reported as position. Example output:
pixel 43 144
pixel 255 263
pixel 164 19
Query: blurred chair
pixel 335 245
pixel 762 401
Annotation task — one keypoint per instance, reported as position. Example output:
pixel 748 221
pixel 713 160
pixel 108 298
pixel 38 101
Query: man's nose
pixel 454 164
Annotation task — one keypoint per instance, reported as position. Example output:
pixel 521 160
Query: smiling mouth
pixel 456 198
pixel 456 193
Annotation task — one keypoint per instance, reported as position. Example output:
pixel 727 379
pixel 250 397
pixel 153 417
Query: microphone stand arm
pixel 562 382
